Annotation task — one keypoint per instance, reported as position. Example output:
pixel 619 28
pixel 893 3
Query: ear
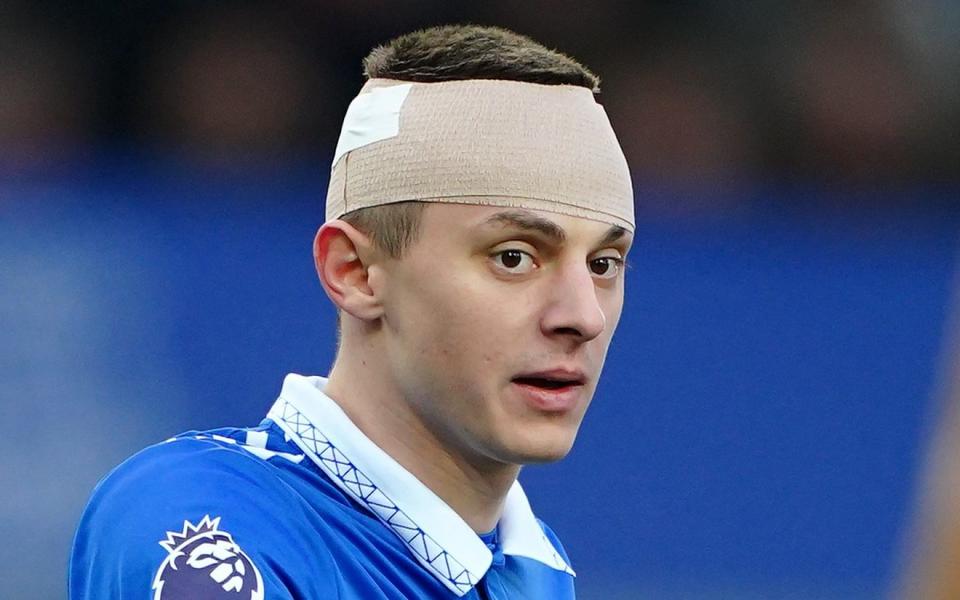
pixel 343 256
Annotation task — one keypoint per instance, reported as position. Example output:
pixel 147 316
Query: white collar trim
pixel 436 535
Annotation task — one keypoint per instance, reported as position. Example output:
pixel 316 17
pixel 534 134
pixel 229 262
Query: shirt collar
pixel 436 535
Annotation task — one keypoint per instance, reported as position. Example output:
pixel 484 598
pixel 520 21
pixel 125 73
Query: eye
pixel 514 261
pixel 606 267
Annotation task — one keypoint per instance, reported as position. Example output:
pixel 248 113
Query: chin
pixel 540 449
pixel 543 458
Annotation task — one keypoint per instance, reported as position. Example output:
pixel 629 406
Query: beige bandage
pixel 489 142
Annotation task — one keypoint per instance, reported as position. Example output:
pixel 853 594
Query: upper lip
pixel 571 376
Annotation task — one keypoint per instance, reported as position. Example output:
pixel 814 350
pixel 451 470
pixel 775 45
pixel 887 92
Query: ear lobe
pixel 342 255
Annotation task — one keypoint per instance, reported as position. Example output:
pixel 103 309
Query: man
pixel 478 216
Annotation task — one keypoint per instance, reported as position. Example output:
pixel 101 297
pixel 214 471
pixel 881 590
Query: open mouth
pixel 547 384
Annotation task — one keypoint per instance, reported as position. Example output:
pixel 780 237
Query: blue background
pixel 757 433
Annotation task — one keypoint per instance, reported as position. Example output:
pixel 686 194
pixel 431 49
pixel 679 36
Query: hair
pixel 451 53
pixel 455 52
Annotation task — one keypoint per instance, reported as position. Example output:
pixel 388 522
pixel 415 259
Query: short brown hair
pixel 455 52
pixel 450 53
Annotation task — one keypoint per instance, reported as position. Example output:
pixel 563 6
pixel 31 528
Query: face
pixel 496 324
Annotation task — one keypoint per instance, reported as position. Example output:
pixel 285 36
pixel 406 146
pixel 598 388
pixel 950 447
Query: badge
pixel 203 561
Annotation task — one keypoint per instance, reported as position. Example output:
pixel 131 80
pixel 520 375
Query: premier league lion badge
pixel 203 561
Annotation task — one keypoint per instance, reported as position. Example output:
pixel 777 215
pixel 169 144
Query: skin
pixel 934 550
pixel 431 343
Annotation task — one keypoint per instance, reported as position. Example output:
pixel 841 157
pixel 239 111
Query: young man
pixel 478 216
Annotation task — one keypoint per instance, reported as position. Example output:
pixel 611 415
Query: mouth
pixel 548 383
pixel 557 391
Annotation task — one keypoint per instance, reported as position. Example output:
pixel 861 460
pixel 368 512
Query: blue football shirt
pixel 304 506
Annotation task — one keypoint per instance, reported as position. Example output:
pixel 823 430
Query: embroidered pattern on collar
pixel 343 472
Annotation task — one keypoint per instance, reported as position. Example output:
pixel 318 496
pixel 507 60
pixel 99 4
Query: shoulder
pixel 195 516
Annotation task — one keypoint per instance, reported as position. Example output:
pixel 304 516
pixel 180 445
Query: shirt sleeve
pixel 195 519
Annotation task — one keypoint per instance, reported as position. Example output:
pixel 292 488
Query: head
pixel 486 315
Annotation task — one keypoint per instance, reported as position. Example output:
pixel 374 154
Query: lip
pixel 559 399
pixel 558 374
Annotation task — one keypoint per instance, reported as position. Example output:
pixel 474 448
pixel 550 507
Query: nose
pixel 573 309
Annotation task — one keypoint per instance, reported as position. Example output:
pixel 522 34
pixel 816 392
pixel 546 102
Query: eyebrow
pixel 527 221
pixel 613 234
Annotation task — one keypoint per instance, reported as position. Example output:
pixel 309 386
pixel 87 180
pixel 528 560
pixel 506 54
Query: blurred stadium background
pixel 769 398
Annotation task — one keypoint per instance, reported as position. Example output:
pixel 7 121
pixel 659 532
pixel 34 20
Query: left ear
pixel 343 256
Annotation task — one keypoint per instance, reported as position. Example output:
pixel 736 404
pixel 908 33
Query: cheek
pixel 463 332
pixel 612 308
pixel 431 324
pixel 467 305
pixel 468 337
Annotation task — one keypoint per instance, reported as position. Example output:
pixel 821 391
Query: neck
pixel 473 487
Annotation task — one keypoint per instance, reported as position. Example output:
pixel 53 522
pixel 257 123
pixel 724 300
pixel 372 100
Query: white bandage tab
pixel 371 117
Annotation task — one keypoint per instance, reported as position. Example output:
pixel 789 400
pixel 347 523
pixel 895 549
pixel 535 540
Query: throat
pixel 472 485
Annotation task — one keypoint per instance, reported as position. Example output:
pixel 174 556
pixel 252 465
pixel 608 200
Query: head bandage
pixel 487 142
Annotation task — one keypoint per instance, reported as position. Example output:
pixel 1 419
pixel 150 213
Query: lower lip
pixel 550 400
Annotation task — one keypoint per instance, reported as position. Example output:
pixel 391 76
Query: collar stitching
pixel 443 565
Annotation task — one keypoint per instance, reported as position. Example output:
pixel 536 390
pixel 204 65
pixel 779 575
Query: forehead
pixel 448 219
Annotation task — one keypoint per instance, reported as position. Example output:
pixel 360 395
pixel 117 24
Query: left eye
pixel 606 267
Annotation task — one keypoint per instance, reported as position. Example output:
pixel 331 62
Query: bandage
pixel 486 142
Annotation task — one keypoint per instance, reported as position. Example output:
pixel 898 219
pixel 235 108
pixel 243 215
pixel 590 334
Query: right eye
pixel 514 261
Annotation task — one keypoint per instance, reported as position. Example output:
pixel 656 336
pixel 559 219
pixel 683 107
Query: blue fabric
pixel 271 525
